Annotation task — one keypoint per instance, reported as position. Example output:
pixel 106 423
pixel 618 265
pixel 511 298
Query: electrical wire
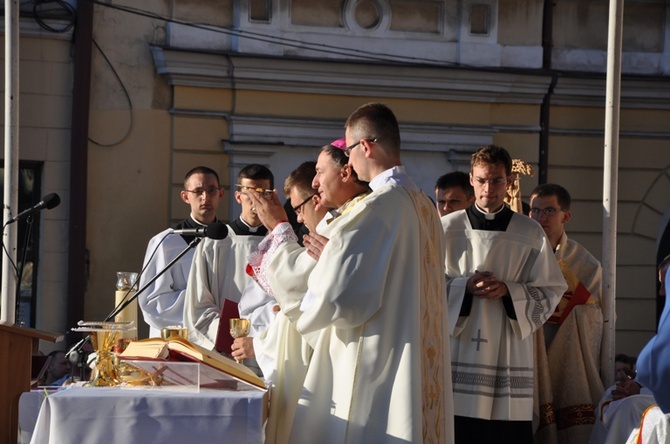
pixel 4 248
pixel 287 42
pixel 68 12
pixel 130 104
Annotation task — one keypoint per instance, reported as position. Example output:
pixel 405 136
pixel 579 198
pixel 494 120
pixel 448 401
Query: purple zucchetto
pixel 339 143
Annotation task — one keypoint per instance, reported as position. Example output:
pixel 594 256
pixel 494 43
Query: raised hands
pixel 268 207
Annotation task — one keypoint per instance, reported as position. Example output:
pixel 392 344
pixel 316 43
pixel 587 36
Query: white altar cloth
pixel 132 415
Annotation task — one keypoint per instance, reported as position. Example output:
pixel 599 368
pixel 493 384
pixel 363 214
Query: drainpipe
pixel 547 46
pixel 77 258
pixel 543 162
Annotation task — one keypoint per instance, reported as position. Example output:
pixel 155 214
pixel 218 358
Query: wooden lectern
pixel 17 346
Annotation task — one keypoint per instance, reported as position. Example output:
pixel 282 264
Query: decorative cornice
pixel 215 70
pixel 187 68
pixel 302 132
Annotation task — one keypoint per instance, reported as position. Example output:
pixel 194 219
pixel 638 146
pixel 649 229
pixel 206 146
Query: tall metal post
pixel 610 188
pixel 11 166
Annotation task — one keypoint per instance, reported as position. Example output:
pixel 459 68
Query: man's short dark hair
pixel 492 155
pixel 630 360
pixel 201 170
pixel 456 179
pixel 552 189
pixel 337 155
pixel 256 171
pixel 301 179
pixel 376 120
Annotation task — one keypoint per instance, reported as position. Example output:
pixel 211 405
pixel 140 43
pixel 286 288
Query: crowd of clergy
pixel 381 316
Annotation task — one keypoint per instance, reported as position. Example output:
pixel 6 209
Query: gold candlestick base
pixel 104 336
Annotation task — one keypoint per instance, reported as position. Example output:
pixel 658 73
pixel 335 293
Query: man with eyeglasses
pixel 218 271
pixel 374 307
pixel 162 304
pixel 503 283
pixel 574 331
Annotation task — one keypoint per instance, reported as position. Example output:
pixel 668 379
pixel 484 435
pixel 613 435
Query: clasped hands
pixel 485 285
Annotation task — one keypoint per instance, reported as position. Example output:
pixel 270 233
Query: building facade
pixel 182 83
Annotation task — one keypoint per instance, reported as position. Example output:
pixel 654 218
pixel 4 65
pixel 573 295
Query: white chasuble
pixel 380 369
pixel 492 354
pixel 218 272
pixel 283 266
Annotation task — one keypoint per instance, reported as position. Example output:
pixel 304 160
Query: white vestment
pixel 281 265
pixel 282 353
pixel 162 303
pixel 380 369
pixel 218 272
pixel 654 428
pixel 617 420
pixel 492 354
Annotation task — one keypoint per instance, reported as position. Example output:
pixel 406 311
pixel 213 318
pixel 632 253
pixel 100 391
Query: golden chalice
pixel 239 328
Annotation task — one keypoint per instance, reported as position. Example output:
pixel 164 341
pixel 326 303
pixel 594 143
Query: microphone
pixel 216 230
pixel 49 201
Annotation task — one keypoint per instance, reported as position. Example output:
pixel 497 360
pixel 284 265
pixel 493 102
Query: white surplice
pixel 218 272
pixel 380 369
pixel 162 303
pixel 491 354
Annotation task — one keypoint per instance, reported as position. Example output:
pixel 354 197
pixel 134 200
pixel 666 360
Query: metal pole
pixel 610 189
pixel 11 166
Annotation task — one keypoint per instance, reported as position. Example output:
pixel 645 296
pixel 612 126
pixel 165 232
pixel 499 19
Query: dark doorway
pixel 28 241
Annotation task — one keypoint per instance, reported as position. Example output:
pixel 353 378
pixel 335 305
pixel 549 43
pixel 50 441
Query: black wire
pixel 69 14
pixel 16 269
pixel 130 103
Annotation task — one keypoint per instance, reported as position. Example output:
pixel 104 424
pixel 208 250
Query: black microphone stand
pixel 77 348
pixel 19 272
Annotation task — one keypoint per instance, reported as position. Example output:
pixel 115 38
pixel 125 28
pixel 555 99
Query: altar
pixel 127 415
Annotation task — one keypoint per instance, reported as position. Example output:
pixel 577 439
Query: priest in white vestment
pixel 574 331
pixel 503 283
pixel 620 412
pixel 218 271
pixel 162 303
pixel 376 304
pixel 329 187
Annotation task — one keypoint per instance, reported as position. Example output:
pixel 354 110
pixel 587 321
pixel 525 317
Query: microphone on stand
pixel 49 201
pixel 216 230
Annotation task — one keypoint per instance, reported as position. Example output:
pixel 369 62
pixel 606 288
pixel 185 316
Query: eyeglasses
pixel 549 211
pixel 258 190
pixel 495 182
pixel 347 150
pixel 200 191
pixel 298 208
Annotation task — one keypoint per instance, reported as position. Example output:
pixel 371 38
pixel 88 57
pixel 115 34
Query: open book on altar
pixel 218 368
